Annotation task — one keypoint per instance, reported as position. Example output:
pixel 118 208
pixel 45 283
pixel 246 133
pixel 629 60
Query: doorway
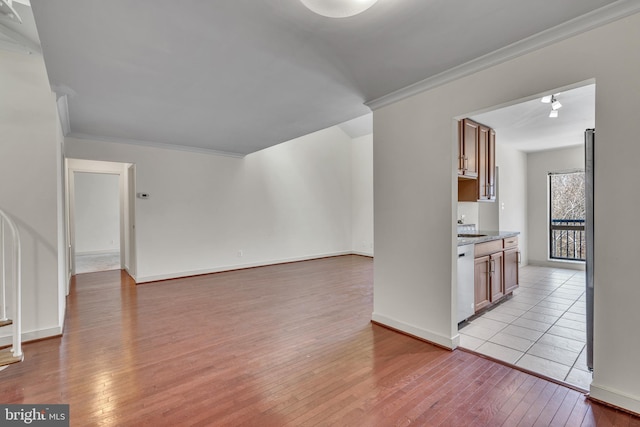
pixel 100 215
pixel 542 326
pixel 97 222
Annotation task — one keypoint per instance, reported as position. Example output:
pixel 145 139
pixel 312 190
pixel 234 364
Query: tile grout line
pixel 554 289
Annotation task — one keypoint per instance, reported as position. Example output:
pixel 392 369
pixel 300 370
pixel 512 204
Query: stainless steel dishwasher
pixel 466 299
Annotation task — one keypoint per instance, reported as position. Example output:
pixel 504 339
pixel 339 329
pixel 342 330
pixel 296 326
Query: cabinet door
pixel 483 167
pixel 491 166
pixel 469 148
pixel 511 269
pixel 461 147
pixel 481 282
pixel 496 277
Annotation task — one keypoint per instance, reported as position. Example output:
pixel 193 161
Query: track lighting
pixel 555 104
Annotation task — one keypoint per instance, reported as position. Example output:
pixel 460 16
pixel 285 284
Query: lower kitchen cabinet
pixel 481 283
pixel 496 278
pixel 496 271
pixel 511 269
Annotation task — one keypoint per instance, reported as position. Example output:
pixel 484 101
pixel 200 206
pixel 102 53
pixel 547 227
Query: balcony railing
pixel 568 239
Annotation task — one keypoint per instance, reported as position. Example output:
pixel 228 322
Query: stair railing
pixel 17 280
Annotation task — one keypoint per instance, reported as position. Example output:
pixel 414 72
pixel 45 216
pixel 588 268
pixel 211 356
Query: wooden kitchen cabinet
pixel 496 278
pixel 511 264
pixel 468 149
pixel 487 163
pixel 481 283
pixel 483 187
pixel 496 271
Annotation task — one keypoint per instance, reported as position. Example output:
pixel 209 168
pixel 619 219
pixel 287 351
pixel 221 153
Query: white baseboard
pixel 569 265
pixel 615 398
pixel 133 276
pixel 101 252
pixel 168 276
pixel 367 254
pixel 33 335
pixel 433 337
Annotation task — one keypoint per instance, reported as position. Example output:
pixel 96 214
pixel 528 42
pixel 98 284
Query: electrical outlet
pixel 240 253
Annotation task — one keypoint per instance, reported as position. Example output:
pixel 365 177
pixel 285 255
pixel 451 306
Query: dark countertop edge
pixel 490 236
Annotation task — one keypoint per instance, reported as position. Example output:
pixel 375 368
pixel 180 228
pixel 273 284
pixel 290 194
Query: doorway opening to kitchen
pixel 540 323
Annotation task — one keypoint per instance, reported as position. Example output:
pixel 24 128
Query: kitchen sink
pixel 471 235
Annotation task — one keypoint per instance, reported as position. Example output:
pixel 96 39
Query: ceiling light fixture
pixel 7 10
pixel 337 8
pixel 555 104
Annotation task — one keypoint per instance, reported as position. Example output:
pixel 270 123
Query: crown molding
pixel 581 24
pixel 161 145
pixel 16 42
pixel 63 114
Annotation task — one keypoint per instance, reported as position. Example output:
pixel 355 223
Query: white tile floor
pixel 542 328
pixel 97 262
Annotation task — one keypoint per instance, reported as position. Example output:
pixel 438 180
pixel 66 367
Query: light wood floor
pixel 282 345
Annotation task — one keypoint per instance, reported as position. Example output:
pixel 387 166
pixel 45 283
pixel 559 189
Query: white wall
pixel 288 202
pixel 97 213
pixel 488 216
pixel 512 203
pixel 362 195
pixel 414 287
pixel 30 158
pixel 470 212
pixel 539 164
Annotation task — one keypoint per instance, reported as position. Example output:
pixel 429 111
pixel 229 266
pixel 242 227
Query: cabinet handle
pixel 519 260
pixel 466 163
pixel 492 268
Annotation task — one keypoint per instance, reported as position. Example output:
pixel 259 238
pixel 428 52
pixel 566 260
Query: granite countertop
pixel 489 236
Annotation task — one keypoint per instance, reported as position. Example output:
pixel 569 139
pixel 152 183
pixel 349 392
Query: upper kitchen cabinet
pixel 468 149
pixel 482 188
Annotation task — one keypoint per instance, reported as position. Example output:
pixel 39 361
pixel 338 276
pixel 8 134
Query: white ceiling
pixel 527 127
pixel 237 76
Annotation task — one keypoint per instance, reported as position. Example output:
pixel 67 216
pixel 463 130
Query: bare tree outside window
pixel 567 215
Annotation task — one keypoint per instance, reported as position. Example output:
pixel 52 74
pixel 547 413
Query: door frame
pixel 126 208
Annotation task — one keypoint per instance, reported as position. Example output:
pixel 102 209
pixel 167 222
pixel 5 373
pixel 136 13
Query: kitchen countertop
pixel 490 235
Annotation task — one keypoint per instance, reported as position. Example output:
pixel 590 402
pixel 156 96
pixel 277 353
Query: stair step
pixel 7 358
pixel 5 322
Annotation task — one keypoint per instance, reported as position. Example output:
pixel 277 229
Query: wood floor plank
pixel 290 344
pixel 549 411
pixel 563 413
pixel 537 406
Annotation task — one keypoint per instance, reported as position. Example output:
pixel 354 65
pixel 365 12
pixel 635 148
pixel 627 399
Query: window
pixel 566 216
